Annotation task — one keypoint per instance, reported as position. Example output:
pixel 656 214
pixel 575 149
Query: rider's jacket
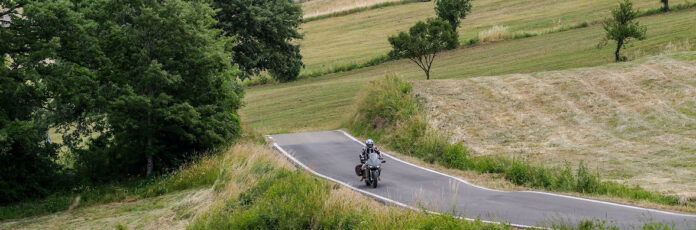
pixel 367 150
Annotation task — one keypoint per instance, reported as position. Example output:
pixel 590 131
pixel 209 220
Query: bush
pixel 518 172
pixel 587 182
pixel 455 156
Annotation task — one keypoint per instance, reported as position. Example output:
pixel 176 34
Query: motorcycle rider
pixel 370 148
pixel 364 155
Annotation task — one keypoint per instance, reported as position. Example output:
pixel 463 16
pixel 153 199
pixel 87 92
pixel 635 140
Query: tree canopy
pixel 452 11
pixel 134 87
pixel 423 41
pixel 42 67
pixel 263 31
pixel 169 82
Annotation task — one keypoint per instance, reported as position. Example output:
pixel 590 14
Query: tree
pixel 423 42
pixel 167 87
pixel 452 10
pixel 666 5
pixel 43 52
pixel 622 27
pixel 263 31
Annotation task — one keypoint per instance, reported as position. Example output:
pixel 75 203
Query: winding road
pixel 333 155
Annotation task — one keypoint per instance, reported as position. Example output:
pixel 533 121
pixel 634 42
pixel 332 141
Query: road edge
pixel 527 191
pixel 381 198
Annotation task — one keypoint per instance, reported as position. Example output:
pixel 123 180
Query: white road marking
pixel 546 193
pixel 378 196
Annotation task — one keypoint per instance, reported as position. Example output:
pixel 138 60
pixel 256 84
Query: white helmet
pixel 369 143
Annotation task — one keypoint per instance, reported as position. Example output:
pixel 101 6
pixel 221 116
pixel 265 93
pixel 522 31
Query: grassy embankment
pixel 321 103
pixel 389 112
pixel 264 192
pixel 252 188
pixel 195 175
pixel 360 39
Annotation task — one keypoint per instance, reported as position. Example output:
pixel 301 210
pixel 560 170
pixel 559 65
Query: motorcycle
pixel 370 169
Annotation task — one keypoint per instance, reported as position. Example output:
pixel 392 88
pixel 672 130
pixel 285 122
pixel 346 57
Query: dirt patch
pixel 635 123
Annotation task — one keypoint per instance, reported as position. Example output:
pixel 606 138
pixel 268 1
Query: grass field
pixel 324 102
pixel 633 123
pixel 314 8
pixel 362 36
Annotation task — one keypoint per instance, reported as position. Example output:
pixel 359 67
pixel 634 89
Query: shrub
pixel 518 172
pixel 587 182
pixel 455 156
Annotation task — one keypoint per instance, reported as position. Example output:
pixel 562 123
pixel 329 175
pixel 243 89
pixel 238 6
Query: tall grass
pixel 261 79
pixel 388 111
pixel 494 34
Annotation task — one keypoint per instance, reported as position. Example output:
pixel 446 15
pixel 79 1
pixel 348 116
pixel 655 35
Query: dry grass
pixel 494 34
pixel 171 211
pixel 314 8
pixel 635 123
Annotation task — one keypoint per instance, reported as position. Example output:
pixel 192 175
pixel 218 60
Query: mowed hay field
pixel 313 8
pixel 169 211
pixel 359 37
pixel 634 122
pixel 324 102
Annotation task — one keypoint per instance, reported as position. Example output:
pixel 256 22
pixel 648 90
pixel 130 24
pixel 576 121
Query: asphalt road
pixel 334 154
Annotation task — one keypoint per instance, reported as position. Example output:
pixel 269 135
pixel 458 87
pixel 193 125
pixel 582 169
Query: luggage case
pixel 358 170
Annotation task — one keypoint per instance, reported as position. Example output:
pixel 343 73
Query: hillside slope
pixel 320 103
pixel 633 122
pixel 356 38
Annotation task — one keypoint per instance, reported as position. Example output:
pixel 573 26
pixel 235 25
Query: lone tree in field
pixel 622 27
pixel 423 41
pixel 666 3
pixel 452 10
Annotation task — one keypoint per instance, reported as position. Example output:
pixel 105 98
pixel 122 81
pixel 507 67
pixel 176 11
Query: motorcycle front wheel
pixel 374 179
pixel 367 177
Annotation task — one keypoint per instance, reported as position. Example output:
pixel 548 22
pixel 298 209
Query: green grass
pixel 359 37
pixel 389 112
pixel 321 103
